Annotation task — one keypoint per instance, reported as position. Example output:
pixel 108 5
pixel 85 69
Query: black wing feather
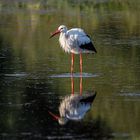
pixel 88 99
pixel 88 46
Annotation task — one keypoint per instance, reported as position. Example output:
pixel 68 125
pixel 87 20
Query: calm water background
pixel 34 70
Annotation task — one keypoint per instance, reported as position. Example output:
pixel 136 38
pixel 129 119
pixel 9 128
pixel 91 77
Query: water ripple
pixel 67 75
pixel 23 74
pixel 130 94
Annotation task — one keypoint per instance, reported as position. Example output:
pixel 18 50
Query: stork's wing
pixel 79 112
pixel 78 38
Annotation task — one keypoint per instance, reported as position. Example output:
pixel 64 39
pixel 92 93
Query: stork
pixel 74 107
pixel 74 41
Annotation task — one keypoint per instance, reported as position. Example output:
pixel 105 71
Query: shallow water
pixel 35 72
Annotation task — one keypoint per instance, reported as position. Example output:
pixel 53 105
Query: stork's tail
pixel 88 99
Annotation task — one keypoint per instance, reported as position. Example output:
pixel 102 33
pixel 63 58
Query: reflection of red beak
pixel 55 33
pixel 56 117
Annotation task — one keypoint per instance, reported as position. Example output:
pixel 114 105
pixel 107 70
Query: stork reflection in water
pixel 74 107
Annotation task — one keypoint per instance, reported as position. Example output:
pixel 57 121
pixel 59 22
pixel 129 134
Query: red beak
pixel 56 117
pixel 55 33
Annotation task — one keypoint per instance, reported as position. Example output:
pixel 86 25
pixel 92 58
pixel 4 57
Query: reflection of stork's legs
pixel 81 85
pixel 72 69
pixel 80 74
pixel 72 84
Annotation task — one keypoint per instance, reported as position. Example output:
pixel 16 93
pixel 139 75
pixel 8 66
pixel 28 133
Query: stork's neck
pixel 64 33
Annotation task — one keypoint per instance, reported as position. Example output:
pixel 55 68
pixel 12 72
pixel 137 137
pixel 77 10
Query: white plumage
pixel 71 40
pixel 74 41
pixel 74 107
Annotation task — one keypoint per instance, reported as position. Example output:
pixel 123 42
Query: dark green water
pixel 34 71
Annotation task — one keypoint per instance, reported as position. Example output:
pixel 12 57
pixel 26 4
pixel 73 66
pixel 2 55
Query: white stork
pixel 74 41
pixel 74 107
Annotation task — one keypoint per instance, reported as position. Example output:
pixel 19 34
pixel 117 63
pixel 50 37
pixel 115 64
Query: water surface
pixel 35 72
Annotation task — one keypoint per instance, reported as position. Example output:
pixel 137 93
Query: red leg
pixel 81 64
pixel 72 69
pixel 81 85
pixel 72 63
pixel 80 74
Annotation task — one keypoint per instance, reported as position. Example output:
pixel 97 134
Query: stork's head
pixel 61 120
pixel 61 29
